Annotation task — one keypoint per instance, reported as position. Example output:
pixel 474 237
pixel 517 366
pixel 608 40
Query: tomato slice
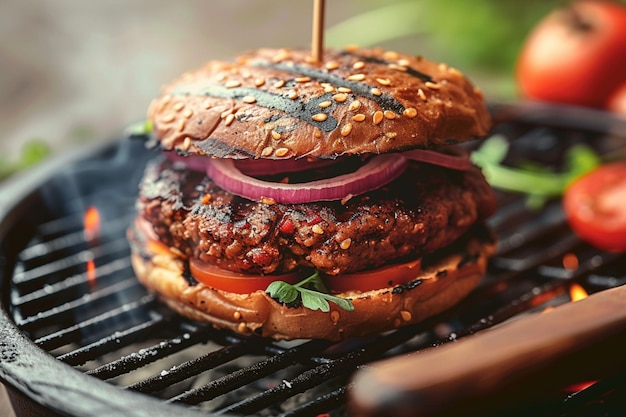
pixel 375 279
pixel 595 207
pixel 222 279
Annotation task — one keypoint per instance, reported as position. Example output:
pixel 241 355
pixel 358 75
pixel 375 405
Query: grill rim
pixel 19 355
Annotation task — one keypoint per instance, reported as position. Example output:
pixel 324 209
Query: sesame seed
pixel 181 125
pixel 410 112
pixel 329 89
pixel 345 244
pixel 279 84
pixel 351 48
pixel 340 97
pixel 206 198
pixel 292 94
pixel 282 55
pixel 281 152
pixel 268 200
pixel 259 81
pixel 442 67
pixel 432 85
pixel 319 117
pixel 358 117
pixel 331 65
pixel 303 79
pixel 355 105
pixel 236 315
pixel 221 77
pixel 318 133
pixel 225 113
pixel 186 144
pixel 229 119
pixel 358 65
pixel 389 114
pixel 383 81
pixel 421 94
pixel 179 106
pixel 455 72
pixel 404 62
pixel 406 315
pixel 275 135
pixel 346 129
pixel 168 118
pixel 188 113
pixel 164 101
pixel 249 99
pixel 241 327
pixel 267 151
pixel 207 103
pixel 390 55
pixel 344 90
pixel 325 104
pixel 378 117
pixel 391 135
pixel 232 84
pixel 309 59
pixel 356 77
pixel 317 229
pixel 375 91
pixel 397 67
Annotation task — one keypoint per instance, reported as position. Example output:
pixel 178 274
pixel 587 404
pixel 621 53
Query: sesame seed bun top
pixel 279 104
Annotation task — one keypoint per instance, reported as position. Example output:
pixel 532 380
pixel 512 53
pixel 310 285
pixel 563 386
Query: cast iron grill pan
pixel 88 342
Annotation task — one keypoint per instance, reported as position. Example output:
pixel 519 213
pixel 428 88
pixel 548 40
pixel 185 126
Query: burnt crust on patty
pixel 189 212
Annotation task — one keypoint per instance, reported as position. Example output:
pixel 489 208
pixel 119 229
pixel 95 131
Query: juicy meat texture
pixel 425 209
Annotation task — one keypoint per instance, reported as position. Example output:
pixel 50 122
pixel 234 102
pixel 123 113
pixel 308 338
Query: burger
pixel 300 199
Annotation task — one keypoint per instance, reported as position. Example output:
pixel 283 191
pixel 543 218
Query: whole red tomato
pixel 595 207
pixel 575 55
pixel 617 100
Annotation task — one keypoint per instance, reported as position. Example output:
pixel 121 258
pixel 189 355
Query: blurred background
pixel 78 71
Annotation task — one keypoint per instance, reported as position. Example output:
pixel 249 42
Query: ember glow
pixel 577 293
pixel 570 261
pixel 91 273
pixel 91 224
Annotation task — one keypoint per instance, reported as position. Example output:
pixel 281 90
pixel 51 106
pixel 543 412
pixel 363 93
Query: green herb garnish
pixel 140 128
pixel 538 182
pixel 312 293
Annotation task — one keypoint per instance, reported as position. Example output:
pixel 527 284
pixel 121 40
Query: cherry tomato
pixel 575 55
pixel 595 206
pixel 617 101
pixel 222 279
pixel 387 276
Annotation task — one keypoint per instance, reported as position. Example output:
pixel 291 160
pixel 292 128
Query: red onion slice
pixel 460 162
pixel 378 171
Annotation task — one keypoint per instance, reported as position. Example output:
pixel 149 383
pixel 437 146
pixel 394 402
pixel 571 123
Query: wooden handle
pixel 518 362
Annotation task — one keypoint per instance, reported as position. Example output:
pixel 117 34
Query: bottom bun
pixel 441 284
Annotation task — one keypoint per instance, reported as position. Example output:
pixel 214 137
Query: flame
pixel 570 261
pixel 91 273
pixel 571 389
pixel 91 224
pixel 576 292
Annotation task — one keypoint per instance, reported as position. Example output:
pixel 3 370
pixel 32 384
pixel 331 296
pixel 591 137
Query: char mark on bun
pixel 297 199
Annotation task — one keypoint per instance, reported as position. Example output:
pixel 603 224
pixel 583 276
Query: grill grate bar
pixel 321 404
pixel 68 241
pixel 67 311
pixel 66 335
pixel 150 354
pixel 198 365
pixel 557 248
pixel 114 248
pixel 57 290
pixel 251 373
pixel 112 342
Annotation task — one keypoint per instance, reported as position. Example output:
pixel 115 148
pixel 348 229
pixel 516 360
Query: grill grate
pixel 103 323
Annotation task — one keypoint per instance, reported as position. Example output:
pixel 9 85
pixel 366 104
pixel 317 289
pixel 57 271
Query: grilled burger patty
pixel 425 209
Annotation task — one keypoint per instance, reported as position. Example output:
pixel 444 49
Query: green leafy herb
pixel 33 152
pixel 538 182
pixel 140 128
pixel 312 293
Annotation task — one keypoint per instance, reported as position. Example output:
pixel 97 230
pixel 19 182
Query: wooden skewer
pixel 318 30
